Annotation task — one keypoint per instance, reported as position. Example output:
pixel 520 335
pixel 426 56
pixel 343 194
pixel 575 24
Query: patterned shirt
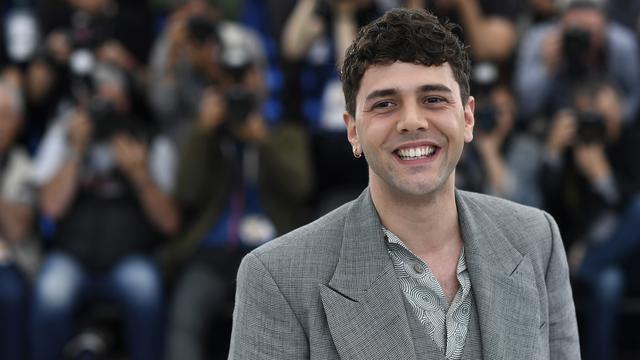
pixel 446 324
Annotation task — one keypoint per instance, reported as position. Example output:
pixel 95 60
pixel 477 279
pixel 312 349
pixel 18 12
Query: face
pixel 92 6
pixel 588 19
pixel 411 126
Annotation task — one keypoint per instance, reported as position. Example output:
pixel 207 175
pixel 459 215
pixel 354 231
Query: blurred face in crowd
pixel 196 7
pixel 590 19
pixel 200 54
pixel 411 125
pixel 114 94
pixel 10 122
pixel 358 3
pixel 39 80
pixel 90 6
pixel 606 102
pixel 502 100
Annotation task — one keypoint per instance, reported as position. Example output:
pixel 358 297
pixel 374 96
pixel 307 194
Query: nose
pixel 412 119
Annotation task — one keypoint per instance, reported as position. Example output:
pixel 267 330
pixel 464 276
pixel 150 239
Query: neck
pixel 425 224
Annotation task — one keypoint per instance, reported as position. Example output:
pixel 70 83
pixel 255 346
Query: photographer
pixel 106 180
pixel 556 57
pixel 16 218
pixel 501 161
pixel 241 184
pixel 188 56
pixel 591 182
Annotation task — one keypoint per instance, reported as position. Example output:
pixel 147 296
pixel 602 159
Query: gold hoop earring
pixel 356 152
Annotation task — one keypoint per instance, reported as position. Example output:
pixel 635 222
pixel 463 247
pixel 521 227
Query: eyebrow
pixel 435 88
pixel 424 88
pixel 381 93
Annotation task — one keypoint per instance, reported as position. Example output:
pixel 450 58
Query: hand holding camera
pixel 592 161
pixel 212 110
pixel 488 139
pixel 254 129
pixel 80 131
pixel 131 157
pixel 562 133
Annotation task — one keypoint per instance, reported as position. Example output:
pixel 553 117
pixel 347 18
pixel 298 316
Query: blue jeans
pixel 603 272
pixel 62 286
pixel 13 300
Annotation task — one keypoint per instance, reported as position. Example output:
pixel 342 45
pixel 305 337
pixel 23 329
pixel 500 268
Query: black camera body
pixel 108 121
pixel 576 44
pixel 592 128
pixel 240 103
pixel 486 118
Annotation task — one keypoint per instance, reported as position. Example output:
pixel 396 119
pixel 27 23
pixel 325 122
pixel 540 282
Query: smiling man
pixel 413 268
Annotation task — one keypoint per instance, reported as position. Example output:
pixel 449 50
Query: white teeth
pixel 416 153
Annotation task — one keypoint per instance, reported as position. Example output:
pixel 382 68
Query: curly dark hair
pixel 406 35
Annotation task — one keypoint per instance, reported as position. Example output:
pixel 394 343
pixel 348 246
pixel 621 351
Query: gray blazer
pixel 328 290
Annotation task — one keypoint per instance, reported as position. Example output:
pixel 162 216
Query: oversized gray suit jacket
pixel 328 290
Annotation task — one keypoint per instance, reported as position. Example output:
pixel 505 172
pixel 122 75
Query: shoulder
pixel 322 237
pixel 536 33
pixel 621 40
pixel 494 205
pixel 305 256
pixel 528 229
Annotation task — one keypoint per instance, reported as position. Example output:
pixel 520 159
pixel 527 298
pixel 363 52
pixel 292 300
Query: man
pixel 233 185
pixel 192 53
pixel 18 248
pixel 105 179
pixel 556 58
pixel 412 269
pixel 592 186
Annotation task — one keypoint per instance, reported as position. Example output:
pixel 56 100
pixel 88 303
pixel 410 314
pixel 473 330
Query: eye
pixel 434 99
pixel 382 105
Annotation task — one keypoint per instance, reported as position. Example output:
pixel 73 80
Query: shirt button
pixel 418 268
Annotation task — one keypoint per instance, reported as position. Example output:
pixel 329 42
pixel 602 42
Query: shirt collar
pixel 392 238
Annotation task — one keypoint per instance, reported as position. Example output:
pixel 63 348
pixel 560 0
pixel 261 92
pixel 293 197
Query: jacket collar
pixel 365 307
pixel 502 280
pixel 363 301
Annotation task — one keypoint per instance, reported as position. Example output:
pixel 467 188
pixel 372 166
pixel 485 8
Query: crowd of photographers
pixel 146 146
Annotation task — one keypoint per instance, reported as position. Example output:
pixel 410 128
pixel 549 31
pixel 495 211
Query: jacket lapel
pixel 503 282
pixel 363 302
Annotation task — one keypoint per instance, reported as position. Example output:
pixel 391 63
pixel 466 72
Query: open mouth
pixel 417 153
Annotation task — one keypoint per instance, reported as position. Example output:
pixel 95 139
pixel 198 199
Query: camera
pixel 105 119
pixel 241 99
pixel 591 128
pixel 483 83
pixel 240 103
pixel 576 43
pixel 486 118
pixel 108 121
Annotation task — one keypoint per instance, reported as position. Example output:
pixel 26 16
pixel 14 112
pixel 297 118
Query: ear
pixel 350 124
pixel 469 119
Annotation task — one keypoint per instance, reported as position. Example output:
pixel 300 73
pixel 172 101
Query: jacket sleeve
pixel 286 164
pixel 264 324
pixel 200 170
pixel 563 328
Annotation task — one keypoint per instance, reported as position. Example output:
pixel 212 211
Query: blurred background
pixel 146 146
